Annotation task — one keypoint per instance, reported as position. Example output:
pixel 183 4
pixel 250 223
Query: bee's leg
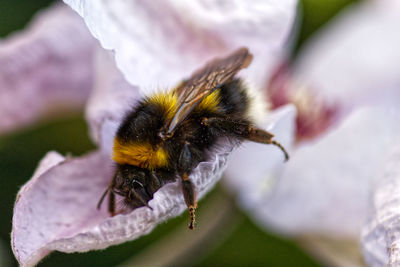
pixel 111 200
pixel 111 203
pixel 111 197
pixel 102 198
pixel 185 165
pixel 154 183
pixel 243 130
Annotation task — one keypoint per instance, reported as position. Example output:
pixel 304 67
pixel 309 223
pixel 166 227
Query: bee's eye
pixel 119 179
pixel 137 184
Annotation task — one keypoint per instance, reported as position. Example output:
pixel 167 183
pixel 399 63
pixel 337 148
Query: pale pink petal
pixel 111 98
pixel 47 67
pixel 157 43
pixel 356 58
pixel 50 160
pixel 381 236
pixel 56 210
pixel 58 203
pixel 324 187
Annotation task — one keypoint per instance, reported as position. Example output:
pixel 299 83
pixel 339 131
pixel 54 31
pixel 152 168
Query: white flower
pixel 156 44
pixel 353 65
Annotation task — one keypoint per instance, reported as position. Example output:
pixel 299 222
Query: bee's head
pixel 129 177
pixel 134 183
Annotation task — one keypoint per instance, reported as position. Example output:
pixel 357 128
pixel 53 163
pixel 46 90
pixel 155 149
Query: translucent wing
pixel 205 80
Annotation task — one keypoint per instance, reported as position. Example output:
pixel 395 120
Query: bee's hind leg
pixel 244 130
pixel 185 165
pixel 264 137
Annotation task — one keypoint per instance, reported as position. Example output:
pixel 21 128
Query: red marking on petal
pixel 310 126
pixel 314 113
pixel 277 88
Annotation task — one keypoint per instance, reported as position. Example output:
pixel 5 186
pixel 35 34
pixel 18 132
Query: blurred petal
pixel 43 69
pixel 157 43
pixel 356 58
pixel 249 164
pixel 381 236
pixel 324 187
pixel 315 113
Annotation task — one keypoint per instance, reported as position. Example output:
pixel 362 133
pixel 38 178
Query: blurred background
pixel 20 152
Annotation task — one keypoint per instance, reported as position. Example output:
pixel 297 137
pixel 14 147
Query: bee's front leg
pixel 111 197
pixel 185 165
pixel 111 203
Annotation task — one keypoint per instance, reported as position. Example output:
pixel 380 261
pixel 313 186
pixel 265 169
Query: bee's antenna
pixel 102 198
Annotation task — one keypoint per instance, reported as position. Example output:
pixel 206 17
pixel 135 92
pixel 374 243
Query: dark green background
pixel 246 245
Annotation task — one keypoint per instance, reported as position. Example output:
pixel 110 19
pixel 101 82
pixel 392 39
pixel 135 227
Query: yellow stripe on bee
pixel 139 154
pixel 167 100
pixel 210 102
pixel 143 154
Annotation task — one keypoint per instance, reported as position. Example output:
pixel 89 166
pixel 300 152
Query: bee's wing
pixel 205 80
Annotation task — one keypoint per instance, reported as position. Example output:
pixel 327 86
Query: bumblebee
pixel 168 134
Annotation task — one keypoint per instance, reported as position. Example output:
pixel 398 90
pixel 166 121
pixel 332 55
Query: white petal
pixel 110 100
pixel 43 69
pixel 381 236
pixel 324 187
pixel 250 164
pixel 50 160
pixel 158 43
pixel 58 201
pixel 356 58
